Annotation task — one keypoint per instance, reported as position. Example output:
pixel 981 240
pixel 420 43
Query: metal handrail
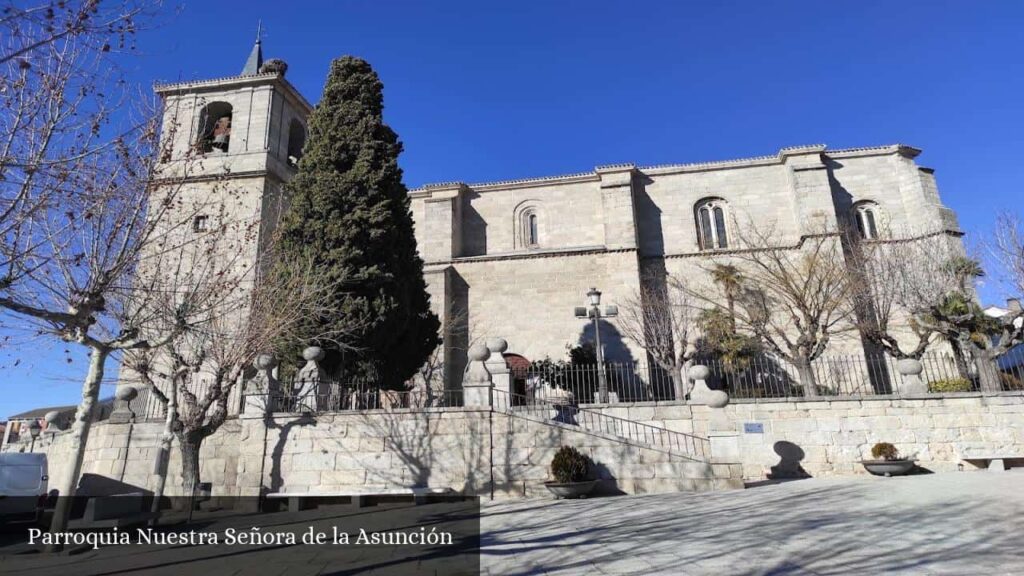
pixel 689 446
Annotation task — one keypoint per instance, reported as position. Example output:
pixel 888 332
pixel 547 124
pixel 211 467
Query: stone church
pixel 514 258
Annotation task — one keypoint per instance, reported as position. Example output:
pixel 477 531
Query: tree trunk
pixel 988 373
pixel 679 382
pixel 960 356
pixel 164 453
pixel 189 445
pixel 806 374
pixel 79 437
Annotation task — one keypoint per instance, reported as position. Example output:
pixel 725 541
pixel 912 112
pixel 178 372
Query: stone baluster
pixel 476 386
pixel 501 376
pixel 912 384
pixel 263 391
pixel 310 386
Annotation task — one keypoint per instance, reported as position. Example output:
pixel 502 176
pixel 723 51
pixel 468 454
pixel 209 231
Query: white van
pixel 23 485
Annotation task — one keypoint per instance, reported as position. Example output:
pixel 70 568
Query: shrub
pixel 1010 382
pixel 885 451
pixel 569 465
pixel 950 385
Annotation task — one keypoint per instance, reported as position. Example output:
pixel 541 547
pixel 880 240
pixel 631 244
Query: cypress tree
pixel 349 213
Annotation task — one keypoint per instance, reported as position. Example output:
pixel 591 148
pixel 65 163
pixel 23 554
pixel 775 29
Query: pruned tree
pixel 76 171
pixel 924 284
pixel 793 298
pixel 71 264
pixel 199 370
pixel 659 317
pixel 902 283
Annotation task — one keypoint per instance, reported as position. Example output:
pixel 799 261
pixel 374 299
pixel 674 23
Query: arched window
pixel 528 225
pixel 296 141
pixel 214 127
pixel 866 216
pixel 712 231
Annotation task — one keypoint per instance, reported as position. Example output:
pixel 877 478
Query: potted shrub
pixel 571 470
pixel 887 461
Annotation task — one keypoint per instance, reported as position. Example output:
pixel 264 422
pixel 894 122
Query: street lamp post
pixel 593 311
pixel 33 430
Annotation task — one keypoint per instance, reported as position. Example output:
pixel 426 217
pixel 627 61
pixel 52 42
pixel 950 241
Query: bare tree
pixel 988 337
pixel 196 373
pixel 901 283
pixel 926 284
pixel 76 177
pixel 794 298
pixel 59 91
pixel 1007 250
pixel 659 317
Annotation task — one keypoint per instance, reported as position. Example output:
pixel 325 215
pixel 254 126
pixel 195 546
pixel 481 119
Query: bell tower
pixel 240 137
pixel 229 145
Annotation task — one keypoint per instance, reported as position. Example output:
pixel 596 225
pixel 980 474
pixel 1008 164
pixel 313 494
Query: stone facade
pixel 607 227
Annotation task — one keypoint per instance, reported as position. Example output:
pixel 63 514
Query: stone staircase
pixel 636 458
pixel 677 444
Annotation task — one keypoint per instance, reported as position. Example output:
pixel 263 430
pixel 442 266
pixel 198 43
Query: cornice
pixel 781 157
pixel 234 82
pixel 796 245
pixel 531 254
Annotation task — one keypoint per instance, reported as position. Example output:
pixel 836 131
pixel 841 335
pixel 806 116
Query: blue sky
pixel 485 91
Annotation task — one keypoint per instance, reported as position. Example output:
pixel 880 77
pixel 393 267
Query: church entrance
pixel 519 367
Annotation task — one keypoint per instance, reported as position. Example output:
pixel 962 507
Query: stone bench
pixel 991 461
pixel 116 510
pixel 297 500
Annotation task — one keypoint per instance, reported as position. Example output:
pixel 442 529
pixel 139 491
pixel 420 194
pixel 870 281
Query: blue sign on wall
pixel 753 428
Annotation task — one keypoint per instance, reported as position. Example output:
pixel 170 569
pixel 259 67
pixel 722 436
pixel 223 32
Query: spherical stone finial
pixel 479 352
pixel 497 345
pixel 698 372
pixel 52 417
pixel 126 393
pixel 265 362
pixel 717 399
pixel 313 353
pixel 909 367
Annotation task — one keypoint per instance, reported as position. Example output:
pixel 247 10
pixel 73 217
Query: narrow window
pixel 723 241
pixel 865 216
pixel 201 223
pixel 531 229
pixel 296 142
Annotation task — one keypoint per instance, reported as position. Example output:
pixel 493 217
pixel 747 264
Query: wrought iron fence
pixel 355 395
pixel 764 376
pixel 147 406
pixel 852 375
pixel 626 382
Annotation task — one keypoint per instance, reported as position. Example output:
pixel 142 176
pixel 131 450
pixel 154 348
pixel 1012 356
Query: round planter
pixel 571 489
pixel 888 467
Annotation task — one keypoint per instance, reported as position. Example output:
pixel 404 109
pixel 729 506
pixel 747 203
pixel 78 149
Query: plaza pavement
pixel 961 523
pixel 958 524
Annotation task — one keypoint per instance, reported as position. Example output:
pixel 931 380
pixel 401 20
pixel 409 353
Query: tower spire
pixel 255 60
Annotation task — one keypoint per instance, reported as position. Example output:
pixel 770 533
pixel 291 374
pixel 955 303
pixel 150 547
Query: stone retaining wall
pixel 466 449
pixel 835 434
